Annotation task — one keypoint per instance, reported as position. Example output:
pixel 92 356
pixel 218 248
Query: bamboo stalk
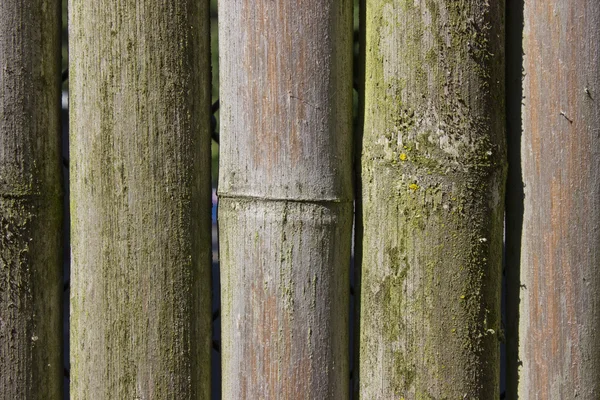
pixel 30 201
pixel 285 190
pixel 431 220
pixel 140 202
pixel 560 247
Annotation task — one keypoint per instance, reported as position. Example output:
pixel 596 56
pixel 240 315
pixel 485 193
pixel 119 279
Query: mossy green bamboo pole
pixel 432 176
pixel 140 202
pixel 559 319
pixel 30 200
pixel 285 189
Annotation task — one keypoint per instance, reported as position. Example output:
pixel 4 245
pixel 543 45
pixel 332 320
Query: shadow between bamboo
pixel 514 189
pixel 358 210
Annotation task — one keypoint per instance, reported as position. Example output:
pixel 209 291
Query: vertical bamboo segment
pixel 140 202
pixel 285 188
pixel 30 200
pixel 432 172
pixel 560 257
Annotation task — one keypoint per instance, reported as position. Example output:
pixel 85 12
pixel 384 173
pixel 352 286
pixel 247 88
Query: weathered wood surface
pixel 560 303
pixel 30 200
pixel 140 201
pixel 432 177
pixel 285 190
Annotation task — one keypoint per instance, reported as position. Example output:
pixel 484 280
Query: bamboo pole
pixel 560 248
pixel 432 178
pixel 140 201
pixel 30 201
pixel 285 190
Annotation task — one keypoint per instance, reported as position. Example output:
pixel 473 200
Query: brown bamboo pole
pixel 559 332
pixel 285 190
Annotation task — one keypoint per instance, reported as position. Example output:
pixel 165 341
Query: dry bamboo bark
pixel 140 202
pixel 285 190
pixel 30 200
pixel 432 178
pixel 560 254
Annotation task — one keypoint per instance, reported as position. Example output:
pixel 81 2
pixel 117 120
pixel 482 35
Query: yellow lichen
pixel 403 157
pixel 413 186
